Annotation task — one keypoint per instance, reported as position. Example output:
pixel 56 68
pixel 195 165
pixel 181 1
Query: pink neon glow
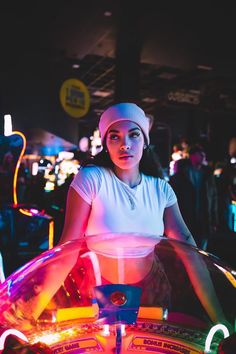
pixel 34 211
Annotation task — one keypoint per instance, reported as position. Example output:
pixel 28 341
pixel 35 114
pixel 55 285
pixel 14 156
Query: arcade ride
pixel 118 293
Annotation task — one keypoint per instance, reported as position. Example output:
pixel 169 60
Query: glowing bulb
pixel 35 168
pixel 106 330
pixel 7 125
pixel 123 332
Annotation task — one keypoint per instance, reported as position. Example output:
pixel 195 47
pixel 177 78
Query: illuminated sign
pixel 182 96
pixel 143 344
pixel 78 346
pixel 75 98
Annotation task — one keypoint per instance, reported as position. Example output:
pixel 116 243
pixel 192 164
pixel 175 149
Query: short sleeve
pixel 169 193
pixel 87 182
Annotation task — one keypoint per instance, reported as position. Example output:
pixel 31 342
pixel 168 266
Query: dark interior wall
pixel 212 129
pixel 31 95
pixel 222 127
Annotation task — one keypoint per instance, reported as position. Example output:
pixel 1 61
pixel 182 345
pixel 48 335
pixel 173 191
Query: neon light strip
pixel 7 333
pixel 228 275
pixel 25 212
pixel 15 202
pixel 212 332
pixel 233 206
pixel 50 234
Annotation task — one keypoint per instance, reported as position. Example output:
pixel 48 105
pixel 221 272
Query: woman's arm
pixel 202 284
pixel 76 218
pixel 196 269
pixel 175 226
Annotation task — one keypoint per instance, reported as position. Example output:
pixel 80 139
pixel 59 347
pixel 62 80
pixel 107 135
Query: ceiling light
pixel 98 111
pixel 204 67
pixel 197 92
pixel 184 96
pixel 222 96
pixel 149 99
pixel 75 66
pixel 167 76
pixel 107 13
pixel 100 93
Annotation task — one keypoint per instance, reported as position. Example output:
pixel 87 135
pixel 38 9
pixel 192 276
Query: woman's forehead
pixel 124 125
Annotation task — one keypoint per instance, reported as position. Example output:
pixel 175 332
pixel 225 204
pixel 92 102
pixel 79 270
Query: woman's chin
pixel 126 163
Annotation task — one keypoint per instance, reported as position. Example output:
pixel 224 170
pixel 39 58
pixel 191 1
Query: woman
pixel 121 193
pixel 122 190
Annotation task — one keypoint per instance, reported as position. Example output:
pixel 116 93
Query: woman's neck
pixel 130 177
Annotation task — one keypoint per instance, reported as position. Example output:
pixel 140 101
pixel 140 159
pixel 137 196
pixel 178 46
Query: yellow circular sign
pixel 74 97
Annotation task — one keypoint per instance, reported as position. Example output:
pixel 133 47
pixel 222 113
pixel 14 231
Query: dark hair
pixel 182 165
pixel 149 164
pixel 195 148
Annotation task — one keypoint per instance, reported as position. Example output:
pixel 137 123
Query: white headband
pixel 124 111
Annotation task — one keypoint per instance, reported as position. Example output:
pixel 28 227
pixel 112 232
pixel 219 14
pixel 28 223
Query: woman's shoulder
pixel 87 182
pixel 89 178
pixel 90 169
pixel 92 172
pixel 160 183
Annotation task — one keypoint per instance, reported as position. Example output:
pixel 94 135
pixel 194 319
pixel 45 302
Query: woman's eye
pixel 135 134
pixel 113 137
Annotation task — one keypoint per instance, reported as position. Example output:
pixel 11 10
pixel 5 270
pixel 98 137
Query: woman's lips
pixel 125 157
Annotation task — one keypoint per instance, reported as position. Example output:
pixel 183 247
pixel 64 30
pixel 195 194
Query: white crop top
pixel 116 207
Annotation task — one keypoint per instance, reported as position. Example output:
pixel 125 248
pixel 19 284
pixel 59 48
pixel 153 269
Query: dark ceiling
pixel 187 56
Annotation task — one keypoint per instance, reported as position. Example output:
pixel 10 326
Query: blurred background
pixel 63 62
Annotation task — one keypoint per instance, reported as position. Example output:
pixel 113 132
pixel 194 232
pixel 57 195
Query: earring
pixel 144 146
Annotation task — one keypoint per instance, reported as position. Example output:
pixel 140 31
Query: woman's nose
pixel 124 147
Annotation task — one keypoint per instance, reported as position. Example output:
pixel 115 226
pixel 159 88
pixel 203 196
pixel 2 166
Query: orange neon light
pixel 72 313
pixel 51 234
pixel 25 212
pixel 63 314
pixel 15 201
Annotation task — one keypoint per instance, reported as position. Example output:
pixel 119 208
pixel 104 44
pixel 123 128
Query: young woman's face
pixel 125 143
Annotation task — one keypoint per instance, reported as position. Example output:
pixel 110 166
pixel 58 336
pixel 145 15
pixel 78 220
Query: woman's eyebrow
pixel 113 131
pixel 136 128
pixel 117 131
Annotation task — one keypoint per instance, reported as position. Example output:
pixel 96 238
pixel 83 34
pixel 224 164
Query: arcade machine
pixel 27 231
pixel 103 295
pixel 100 294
